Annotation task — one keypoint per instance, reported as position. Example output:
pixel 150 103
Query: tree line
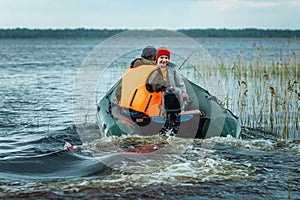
pixel 105 33
pixel 58 33
pixel 243 33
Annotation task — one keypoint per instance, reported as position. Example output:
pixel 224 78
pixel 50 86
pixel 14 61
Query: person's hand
pixel 185 96
pixel 114 101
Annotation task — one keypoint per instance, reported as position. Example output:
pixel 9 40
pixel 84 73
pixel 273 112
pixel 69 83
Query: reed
pixel 86 117
pixel 264 92
pixel 49 126
pixel 290 186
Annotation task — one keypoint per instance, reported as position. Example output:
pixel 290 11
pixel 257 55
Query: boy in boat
pixel 175 95
pixel 170 74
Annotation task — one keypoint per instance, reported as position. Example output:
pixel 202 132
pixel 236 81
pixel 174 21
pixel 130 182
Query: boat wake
pixel 120 163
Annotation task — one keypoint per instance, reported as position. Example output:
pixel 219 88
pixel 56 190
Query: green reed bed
pixel 264 93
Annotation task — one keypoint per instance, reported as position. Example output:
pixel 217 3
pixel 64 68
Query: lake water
pixel 38 77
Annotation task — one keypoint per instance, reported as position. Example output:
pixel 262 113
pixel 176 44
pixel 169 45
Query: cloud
pixel 295 3
pixel 149 14
pixel 226 5
pixel 260 4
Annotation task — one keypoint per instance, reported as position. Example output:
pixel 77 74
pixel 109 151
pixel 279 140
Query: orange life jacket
pixel 134 94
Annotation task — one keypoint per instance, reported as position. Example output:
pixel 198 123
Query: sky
pixel 150 14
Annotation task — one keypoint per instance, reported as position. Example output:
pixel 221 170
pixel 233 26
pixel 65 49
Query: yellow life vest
pixel 134 94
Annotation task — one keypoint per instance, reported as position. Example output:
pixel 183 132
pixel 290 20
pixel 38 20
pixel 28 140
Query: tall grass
pixel 264 93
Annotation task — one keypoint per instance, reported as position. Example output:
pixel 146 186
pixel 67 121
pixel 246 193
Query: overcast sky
pixel 140 14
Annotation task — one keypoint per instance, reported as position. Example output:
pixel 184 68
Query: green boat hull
pixel 215 120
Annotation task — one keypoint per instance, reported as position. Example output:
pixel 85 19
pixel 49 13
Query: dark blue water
pixel 36 118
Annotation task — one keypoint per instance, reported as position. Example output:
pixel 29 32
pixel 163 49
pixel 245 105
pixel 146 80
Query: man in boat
pixel 140 92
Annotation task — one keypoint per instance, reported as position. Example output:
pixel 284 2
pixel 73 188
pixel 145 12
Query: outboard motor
pixel 172 101
pixel 172 105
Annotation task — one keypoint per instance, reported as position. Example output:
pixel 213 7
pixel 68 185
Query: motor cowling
pixel 172 101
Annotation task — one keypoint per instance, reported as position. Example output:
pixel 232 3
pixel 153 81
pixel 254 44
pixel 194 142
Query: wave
pixel 43 158
pixel 55 165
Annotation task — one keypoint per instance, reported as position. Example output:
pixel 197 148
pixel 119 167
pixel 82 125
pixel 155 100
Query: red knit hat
pixel 163 51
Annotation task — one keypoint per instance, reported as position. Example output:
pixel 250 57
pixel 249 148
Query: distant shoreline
pixel 105 33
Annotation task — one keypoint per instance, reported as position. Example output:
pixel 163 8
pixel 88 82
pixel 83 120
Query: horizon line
pixel 212 28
